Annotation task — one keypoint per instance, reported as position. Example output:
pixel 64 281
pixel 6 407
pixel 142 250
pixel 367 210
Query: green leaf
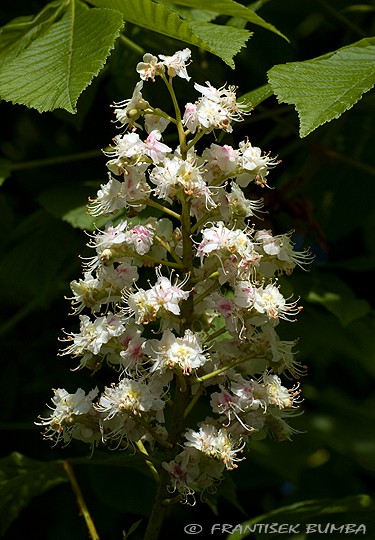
pixel 338 298
pixel 224 41
pixel 79 218
pixel 231 8
pixel 22 479
pixel 323 88
pixel 5 170
pixel 17 35
pixel 256 96
pixel 48 61
pixel 356 509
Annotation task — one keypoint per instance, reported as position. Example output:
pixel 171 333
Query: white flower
pixel 141 238
pixel 109 198
pixel 281 246
pixel 128 396
pixel 221 160
pixel 190 117
pixel 254 164
pixel 127 146
pixel 119 276
pixel 165 178
pixel 244 294
pixel 278 395
pixel 149 68
pixel 215 109
pixel 136 188
pixel 215 443
pixel 70 411
pixel 133 345
pixel 84 292
pixel 270 301
pixel 185 352
pixel 146 305
pixel 183 471
pixel 155 149
pixel 219 238
pixel 129 110
pixel 93 335
pixel 240 206
pixel 154 121
pixel 176 64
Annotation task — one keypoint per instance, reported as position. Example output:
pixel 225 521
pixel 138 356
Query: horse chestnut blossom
pixel 181 302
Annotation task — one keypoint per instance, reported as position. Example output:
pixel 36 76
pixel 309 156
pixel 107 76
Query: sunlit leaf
pixel 224 41
pixel 22 479
pixel 323 88
pixel 48 61
pixel 231 8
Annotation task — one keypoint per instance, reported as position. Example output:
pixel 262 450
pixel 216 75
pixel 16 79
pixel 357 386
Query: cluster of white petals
pixel 182 297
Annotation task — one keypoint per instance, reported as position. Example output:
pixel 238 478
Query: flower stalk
pixel 180 305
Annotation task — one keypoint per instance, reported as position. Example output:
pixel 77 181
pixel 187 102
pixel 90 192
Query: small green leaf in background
pixel 22 479
pixel 323 88
pixel 338 298
pixel 256 96
pixel 223 41
pixel 357 509
pixel 5 170
pixel 48 61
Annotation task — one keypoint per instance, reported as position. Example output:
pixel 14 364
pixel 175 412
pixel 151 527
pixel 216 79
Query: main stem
pixel 182 391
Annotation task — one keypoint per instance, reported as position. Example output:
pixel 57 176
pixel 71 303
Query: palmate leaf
pixel 323 88
pixel 231 8
pixel 223 41
pixel 48 61
pixel 22 479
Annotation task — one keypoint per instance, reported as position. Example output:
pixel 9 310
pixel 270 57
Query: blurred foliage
pixel 324 189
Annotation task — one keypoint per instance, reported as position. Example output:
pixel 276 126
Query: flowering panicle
pixel 181 297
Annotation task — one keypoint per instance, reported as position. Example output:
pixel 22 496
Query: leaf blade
pixel 323 88
pixel 223 41
pixel 55 67
pixel 233 9
pixel 22 479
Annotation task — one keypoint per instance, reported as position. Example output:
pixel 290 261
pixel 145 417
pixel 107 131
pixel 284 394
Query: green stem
pixel 216 372
pixel 196 138
pixel 180 127
pixel 131 45
pixel 154 260
pixel 57 160
pixel 169 249
pixel 81 501
pixel 211 289
pixel 196 397
pixel 203 220
pixel 159 509
pixel 164 209
pixel 216 334
pixel 152 432
pixel 163 114
pixel 187 308
pixel 142 450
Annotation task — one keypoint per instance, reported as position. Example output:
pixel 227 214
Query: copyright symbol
pixel 193 528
